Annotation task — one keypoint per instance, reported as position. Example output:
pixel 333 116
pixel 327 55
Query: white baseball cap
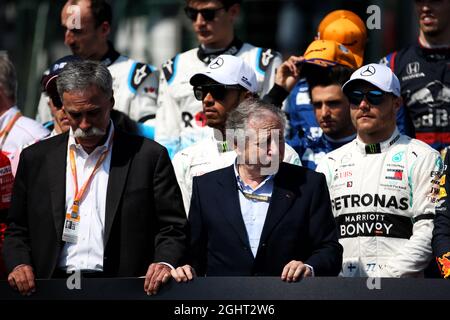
pixel 377 74
pixel 229 70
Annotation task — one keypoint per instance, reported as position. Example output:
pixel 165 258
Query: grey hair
pixel 79 75
pixel 251 109
pixel 8 77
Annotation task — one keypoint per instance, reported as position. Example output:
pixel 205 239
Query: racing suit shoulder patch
pixel 168 69
pixel 263 59
pixel 389 60
pixel 138 73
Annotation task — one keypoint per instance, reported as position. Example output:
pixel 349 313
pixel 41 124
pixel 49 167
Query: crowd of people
pixel 226 160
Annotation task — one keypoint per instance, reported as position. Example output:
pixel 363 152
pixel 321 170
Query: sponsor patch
pixel 444 265
pixel 139 73
pixel 394 174
pixel 374 224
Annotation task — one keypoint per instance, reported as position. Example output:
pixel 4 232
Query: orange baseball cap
pixel 345 27
pixel 328 53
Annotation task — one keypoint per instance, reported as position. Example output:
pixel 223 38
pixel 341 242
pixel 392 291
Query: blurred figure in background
pixel 16 132
pixel 424 74
pixel 180 119
pixel 135 84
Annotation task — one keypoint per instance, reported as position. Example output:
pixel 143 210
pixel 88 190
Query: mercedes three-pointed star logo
pixel 217 63
pixel 367 72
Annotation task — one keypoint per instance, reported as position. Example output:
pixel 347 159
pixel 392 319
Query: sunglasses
pixel 374 97
pixel 207 14
pixel 218 91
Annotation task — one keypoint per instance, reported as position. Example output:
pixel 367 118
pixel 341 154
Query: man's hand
pixel 295 270
pixel 22 279
pixel 184 273
pixel 288 73
pixel 157 274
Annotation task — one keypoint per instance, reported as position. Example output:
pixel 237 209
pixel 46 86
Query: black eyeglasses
pixel 207 14
pixel 217 91
pixel 374 97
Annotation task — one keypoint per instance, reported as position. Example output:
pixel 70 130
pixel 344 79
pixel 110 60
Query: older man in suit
pixel 94 199
pixel 260 216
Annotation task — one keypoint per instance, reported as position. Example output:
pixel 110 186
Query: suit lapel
pixel 56 169
pixel 120 162
pixel 281 200
pixel 231 207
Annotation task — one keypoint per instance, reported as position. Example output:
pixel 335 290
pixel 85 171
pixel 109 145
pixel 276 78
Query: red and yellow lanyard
pixel 5 132
pixel 80 193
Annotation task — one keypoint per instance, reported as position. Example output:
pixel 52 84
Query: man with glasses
pixel 226 82
pixel 180 120
pixel 383 185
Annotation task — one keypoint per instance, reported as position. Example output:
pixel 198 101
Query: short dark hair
pixel 321 76
pixel 225 3
pixel 101 11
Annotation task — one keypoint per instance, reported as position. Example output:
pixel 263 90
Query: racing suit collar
pixel 111 55
pixel 435 52
pixel 232 49
pixel 377 147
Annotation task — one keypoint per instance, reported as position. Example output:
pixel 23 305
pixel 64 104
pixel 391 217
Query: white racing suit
pixel 180 120
pixel 383 197
pixel 135 88
pixel 206 156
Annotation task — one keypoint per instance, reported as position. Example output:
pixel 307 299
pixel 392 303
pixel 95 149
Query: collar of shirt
pixel 222 146
pixel 377 147
pixel 98 150
pixel 265 188
pixel 8 115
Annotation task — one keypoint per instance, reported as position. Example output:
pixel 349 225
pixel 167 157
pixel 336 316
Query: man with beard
pixel 94 199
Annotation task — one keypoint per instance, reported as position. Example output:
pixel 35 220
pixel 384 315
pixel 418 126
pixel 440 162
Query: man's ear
pixel 112 101
pixel 247 95
pixel 234 11
pixel 105 29
pixel 398 102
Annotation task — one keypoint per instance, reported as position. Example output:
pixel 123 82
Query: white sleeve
pixel 291 156
pixel 43 112
pixel 324 167
pixel 424 183
pixel 269 76
pixel 167 124
pixel 143 106
pixel 179 163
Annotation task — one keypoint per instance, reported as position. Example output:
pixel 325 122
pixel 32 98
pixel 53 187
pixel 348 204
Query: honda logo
pixel 413 68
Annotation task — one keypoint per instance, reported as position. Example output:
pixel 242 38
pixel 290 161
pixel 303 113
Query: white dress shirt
pixel 87 253
pixel 254 212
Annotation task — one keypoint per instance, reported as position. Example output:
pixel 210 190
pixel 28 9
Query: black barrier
pixel 237 288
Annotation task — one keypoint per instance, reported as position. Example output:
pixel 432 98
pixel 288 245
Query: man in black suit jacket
pixel 297 235
pixel 132 206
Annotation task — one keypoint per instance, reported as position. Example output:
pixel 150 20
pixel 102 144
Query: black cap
pixel 48 80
